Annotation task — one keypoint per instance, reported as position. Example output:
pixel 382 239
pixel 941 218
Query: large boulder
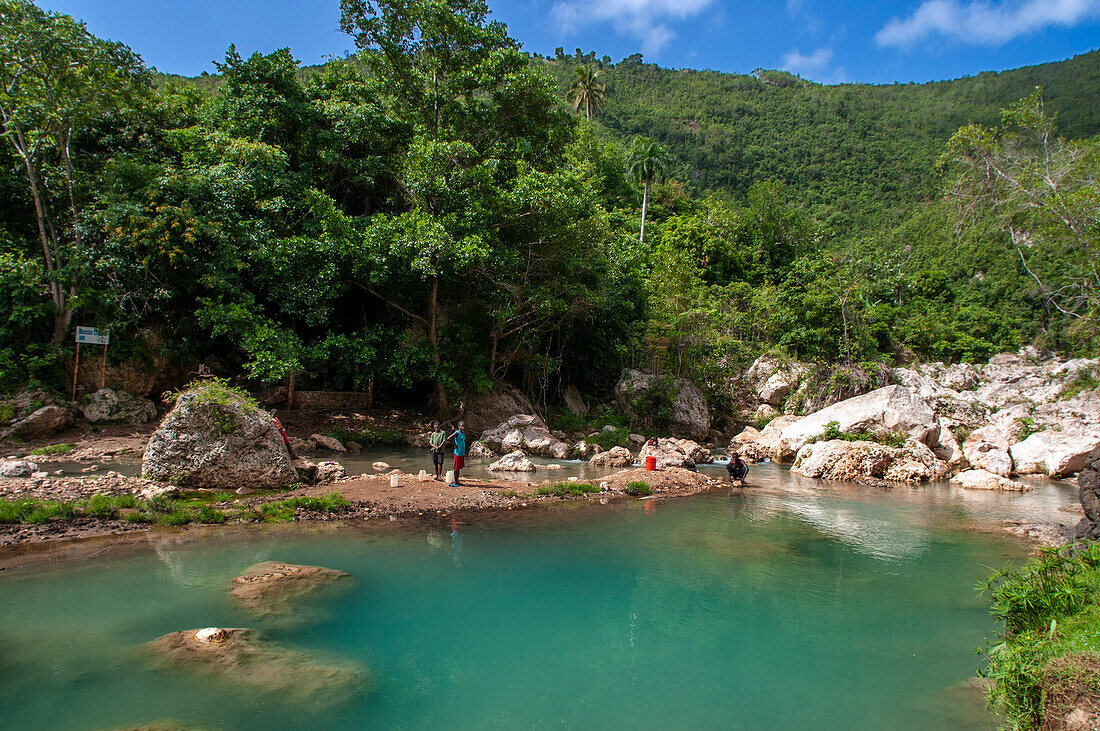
pixel 486 411
pixel 772 380
pixel 217 438
pixel 961 377
pixel 323 441
pixel 614 457
pixel 108 406
pixel 39 424
pixel 690 414
pixel 672 452
pixel 987 449
pixel 985 480
pixel 245 658
pixel 12 468
pixel 754 445
pixel 1053 453
pixel 841 460
pixel 526 432
pixel 886 411
pixel 948 449
pixel 513 462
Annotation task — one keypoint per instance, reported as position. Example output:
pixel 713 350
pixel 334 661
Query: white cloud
pixel 816 66
pixel 793 6
pixel 984 22
pixel 646 20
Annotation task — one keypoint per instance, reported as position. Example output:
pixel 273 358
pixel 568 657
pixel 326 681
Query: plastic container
pixel 450 477
pixel 650 462
pixel 394 480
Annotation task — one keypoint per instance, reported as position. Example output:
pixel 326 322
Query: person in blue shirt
pixel 459 438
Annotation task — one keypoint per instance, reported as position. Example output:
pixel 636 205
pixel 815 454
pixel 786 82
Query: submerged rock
pixel 690 413
pixel 614 457
pixel 246 658
pixel 218 439
pixel 272 587
pixel 513 462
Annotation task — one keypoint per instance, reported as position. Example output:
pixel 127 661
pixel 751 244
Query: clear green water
pixel 784 608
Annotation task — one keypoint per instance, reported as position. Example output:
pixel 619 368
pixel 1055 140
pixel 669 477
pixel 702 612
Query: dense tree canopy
pixel 438 213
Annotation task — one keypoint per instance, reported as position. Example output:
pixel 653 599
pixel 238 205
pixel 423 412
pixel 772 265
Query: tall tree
pixel 1044 192
pixel 56 79
pixel 647 163
pixel 588 91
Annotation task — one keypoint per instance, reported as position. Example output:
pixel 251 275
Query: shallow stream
pixel 795 604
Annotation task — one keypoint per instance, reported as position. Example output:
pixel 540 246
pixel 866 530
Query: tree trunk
pixel 645 207
pixel 433 339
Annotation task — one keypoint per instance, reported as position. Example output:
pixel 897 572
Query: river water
pixel 794 604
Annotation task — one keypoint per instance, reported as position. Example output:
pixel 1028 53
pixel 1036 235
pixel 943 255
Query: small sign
pixel 92 336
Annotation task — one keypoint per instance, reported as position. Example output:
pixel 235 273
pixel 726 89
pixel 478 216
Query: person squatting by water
pixel 738 469
pixel 459 437
pixel 437 439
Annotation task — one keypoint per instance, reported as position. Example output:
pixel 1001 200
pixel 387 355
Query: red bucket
pixel 650 462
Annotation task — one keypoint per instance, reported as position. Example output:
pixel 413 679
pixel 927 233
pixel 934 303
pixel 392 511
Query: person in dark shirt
pixel 738 469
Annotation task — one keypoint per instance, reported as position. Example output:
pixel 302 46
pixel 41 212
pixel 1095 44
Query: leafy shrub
pixel 832 431
pixel 369 437
pixel 651 407
pixel 1046 608
pixel 214 391
pixel 639 488
pixel 611 438
pixel 54 449
pixel 7 413
pixel 565 489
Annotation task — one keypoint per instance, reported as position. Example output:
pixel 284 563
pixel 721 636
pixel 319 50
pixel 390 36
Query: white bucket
pixel 450 477
pixel 394 480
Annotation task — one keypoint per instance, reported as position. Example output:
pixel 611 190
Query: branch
pixel 392 304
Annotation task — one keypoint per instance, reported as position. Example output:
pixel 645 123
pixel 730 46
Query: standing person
pixel 738 469
pixel 437 439
pixel 459 437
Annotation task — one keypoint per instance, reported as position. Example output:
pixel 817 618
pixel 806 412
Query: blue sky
pixel 826 41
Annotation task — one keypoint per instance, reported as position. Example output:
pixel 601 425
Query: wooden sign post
pixel 91 336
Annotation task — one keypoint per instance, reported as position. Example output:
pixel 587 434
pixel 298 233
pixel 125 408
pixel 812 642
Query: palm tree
pixel 587 91
pixel 646 163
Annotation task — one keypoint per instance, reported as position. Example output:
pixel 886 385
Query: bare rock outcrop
pixel 14 468
pixel 672 452
pixel 755 445
pixel 690 413
pixel 1054 453
pixel 39 424
pixel 526 432
pixel 886 411
pixel 486 411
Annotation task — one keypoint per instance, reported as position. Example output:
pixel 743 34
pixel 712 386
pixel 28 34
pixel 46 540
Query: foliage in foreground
pixel 1046 609
pixel 568 489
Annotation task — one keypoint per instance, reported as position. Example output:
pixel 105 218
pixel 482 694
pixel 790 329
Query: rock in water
pixel 17 468
pixel 119 407
pixel 326 442
pixel 329 470
pixel 245 658
pixel 614 457
pixel 979 479
pixel 273 587
pixel 513 462
pixel 672 452
pixel 841 460
pixel 217 438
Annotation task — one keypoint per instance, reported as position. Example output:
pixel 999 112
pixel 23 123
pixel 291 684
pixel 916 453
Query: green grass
pixel 179 516
pixel 1083 381
pixel 54 449
pixel 567 489
pixel 639 488
pixel 1046 608
pixel 282 511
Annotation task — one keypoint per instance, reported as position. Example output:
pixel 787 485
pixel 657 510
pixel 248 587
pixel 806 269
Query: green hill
pixel 857 154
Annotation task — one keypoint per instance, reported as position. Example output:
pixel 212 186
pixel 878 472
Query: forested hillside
pixel 442 212
pixel 857 154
